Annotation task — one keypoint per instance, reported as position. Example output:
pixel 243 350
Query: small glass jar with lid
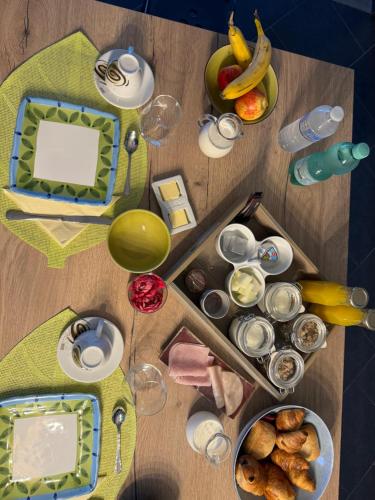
pixel 308 333
pixel 283 301
pixel 285 369
pixel 253 335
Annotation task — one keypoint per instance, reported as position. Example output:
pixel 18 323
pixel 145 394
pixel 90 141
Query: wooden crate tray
pixel 203 255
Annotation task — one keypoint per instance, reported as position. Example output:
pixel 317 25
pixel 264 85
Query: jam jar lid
pixel 286 368
pixel 309 333
pixel 256 336
pixel 283 301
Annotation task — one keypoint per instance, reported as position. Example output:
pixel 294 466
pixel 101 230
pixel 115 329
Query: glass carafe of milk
pixel 218 135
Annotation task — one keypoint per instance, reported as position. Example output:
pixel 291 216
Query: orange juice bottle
pixel 345 315
pixel 332 294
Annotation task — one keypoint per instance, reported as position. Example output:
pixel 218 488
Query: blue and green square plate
pixel 49 446
pixel 64 152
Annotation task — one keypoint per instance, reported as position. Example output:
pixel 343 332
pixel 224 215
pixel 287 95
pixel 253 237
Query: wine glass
pixel 159 118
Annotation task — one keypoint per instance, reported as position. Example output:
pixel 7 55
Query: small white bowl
pixel 284 261
pixel 249 270
pixel 244 232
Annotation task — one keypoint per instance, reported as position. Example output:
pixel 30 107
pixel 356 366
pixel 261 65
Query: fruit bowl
pixel 224 57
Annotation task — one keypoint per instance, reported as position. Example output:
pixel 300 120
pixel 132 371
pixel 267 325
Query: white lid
pixel 337 114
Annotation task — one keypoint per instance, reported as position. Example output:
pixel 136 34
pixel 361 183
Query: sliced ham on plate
pixel 215 373
pixel 189 360
pixel 233 392
pixel 203 381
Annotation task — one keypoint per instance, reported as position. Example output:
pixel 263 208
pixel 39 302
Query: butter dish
pixel 174 204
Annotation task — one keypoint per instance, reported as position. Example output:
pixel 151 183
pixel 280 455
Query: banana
pixel 238 43
pixel 255 72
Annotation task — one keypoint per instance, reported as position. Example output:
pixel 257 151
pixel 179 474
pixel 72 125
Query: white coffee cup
pixel 123 75
pixel 92 349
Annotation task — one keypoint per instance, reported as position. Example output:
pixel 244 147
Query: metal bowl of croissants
pixel 283 453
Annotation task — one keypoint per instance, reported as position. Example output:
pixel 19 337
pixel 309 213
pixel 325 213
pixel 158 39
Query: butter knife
pixel 79 219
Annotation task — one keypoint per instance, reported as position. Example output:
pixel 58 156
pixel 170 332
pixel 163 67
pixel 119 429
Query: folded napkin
pixel 62 232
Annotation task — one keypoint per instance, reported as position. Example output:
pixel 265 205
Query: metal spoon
pixel 131 145
pixel 118 418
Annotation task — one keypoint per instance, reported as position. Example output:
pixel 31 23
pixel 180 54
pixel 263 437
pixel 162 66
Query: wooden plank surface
pixel 316 218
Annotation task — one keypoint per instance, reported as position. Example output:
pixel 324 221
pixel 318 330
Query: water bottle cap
pixel 337 114
pixel 360 151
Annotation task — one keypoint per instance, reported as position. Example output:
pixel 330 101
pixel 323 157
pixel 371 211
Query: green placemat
pixel 31 368
pixel 64 71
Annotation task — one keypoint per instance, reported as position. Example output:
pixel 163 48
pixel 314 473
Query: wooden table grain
pixel 164 467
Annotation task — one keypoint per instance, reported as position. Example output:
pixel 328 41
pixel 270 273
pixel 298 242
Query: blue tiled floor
pixel 333 32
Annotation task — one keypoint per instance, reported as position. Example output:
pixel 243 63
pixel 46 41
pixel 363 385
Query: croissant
pixel 289 461
pixel 251 475
pixel 291 442
pixel 261 440
pixel 310 449
pixel 278 486
pixel 290 420
pixel 301 479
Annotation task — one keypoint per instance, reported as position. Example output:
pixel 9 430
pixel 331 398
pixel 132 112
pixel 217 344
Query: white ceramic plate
pixel 143 95
pixel 321 469
pixel 73 370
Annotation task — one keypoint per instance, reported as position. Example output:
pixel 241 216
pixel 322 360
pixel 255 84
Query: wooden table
pixel 164 467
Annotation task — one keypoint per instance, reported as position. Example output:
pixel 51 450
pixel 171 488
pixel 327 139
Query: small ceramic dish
pixel 64 152
pixel 67 461
pixel 143 95
pixel 285 256
pixel 224 57
pixel 246 239
pixel 174 203
pixel 252 271
pixel 321 468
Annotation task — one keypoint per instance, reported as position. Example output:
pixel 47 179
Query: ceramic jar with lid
pixel 253 335
pixel 285 369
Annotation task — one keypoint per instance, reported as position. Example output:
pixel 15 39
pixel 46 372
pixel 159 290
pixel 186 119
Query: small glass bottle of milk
pixel 218 135
pixel 205 434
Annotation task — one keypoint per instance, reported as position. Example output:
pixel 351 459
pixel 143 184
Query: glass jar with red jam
pixel 147 293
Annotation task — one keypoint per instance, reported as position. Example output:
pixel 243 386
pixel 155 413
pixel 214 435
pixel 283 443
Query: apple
pixel 252 105
pixel 228 74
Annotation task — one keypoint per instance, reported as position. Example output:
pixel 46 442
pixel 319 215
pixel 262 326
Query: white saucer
pixel 70 367
pixel 143 95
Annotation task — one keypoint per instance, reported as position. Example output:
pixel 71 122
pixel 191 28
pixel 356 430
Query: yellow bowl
pixel 139 241
pixel 224 57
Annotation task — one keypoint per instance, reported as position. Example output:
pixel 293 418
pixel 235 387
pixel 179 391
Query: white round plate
pixel 70 367
pixel 321 468
pixel 143 95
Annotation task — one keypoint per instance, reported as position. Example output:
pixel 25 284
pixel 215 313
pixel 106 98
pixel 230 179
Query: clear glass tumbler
pixel 159 118
pixel 148 388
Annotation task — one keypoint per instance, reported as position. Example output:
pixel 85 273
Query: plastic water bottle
pixel 339 159
pixel 321 122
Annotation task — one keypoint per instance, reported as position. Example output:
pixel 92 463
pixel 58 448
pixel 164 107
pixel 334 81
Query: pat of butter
pixel 170 191
pixel 178 218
